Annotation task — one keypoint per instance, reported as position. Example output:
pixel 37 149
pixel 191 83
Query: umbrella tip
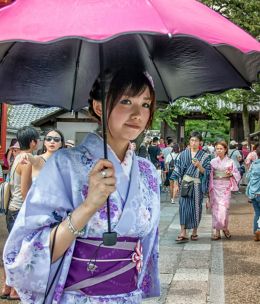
pixel 170 35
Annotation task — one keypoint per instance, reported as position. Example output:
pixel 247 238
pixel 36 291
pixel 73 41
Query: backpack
pixel 171 164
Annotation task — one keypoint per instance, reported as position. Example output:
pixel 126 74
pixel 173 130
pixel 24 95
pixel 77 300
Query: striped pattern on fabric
pixel 190 208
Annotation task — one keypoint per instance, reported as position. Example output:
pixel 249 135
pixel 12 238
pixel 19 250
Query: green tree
pixel 211 130
pixel 245 14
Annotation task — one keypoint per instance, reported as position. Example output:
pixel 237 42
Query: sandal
pixel 181 239
pixel 227 234
pixel 194 237
pixel 5 292
pixel 13 298
pixel 215 237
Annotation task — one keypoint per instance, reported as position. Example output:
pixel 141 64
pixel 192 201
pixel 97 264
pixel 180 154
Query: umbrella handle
pixel 109 238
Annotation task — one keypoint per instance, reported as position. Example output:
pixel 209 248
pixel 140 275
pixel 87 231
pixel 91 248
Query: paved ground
pixel 204 272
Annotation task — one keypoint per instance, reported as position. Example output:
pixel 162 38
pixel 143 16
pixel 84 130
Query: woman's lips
pixel 136 127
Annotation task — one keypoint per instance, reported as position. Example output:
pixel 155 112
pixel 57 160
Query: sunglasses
pixel 50 138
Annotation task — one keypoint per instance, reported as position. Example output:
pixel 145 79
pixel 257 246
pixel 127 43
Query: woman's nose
pixel 136 113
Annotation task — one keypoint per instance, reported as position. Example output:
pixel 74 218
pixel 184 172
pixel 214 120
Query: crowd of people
pixel 57 215
pixel 214 170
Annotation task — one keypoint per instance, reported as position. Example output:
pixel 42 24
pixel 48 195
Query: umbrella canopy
pixel 186 47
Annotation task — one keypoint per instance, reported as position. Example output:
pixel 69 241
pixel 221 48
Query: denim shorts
pixel 10 219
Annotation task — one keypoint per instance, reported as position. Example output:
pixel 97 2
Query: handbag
pixel 186 188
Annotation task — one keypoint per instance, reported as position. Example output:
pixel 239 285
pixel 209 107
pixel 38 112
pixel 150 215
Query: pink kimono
pixel 220 189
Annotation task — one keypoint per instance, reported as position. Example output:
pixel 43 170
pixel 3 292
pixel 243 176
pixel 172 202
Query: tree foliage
pixel 245 14
pixel 211 130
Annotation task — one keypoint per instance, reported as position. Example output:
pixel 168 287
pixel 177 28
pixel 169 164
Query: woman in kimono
pixel 191 175
pixel 224 178
pixel 55 253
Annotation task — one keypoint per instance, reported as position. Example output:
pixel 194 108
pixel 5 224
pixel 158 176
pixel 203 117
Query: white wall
pixel 69 129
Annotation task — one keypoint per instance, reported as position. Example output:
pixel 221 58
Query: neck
pixel 27 151
pixel 119 147
pixel 47 154
pixel 194 149
pixel 221 156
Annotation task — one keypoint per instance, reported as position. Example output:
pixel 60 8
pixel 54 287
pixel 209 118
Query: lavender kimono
pixel 220 189
pixel 61 186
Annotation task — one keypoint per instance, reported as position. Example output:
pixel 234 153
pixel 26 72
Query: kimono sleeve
pixel 205 177
pixel 26 253
pixel 179 167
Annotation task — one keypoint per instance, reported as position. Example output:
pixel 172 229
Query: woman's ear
pixel 97 107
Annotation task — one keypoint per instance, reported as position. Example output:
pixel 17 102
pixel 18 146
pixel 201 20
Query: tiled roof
pixel 24 115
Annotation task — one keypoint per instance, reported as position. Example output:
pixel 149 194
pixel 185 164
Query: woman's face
pixel 129 117
pixel 220 150
pixel 52 141
pixel 194 143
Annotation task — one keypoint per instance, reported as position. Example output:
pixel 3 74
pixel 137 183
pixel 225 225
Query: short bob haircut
pixel 196 134
pixel 25 136
pixel 129 82
pixel 223 144
pixel 46 134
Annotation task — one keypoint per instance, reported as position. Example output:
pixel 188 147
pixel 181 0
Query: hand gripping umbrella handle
pixel 109 238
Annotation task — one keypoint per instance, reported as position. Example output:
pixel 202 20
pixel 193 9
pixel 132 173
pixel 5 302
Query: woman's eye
pixel 147 105
pixel 125 101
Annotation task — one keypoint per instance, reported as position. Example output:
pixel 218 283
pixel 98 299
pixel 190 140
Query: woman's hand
pixel 229 172
pixel 102 183
pixel 25 158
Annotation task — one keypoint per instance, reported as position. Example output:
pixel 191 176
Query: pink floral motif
pixel 137 256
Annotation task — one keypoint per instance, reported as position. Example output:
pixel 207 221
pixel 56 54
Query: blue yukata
pixel 62 186
pixel 190 208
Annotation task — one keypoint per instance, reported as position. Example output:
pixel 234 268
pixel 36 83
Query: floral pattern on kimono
pixel 220 190
pixel 60 187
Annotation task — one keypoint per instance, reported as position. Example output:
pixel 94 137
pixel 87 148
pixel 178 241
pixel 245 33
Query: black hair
pixel 196 134
pixel 25 136
pixel 61 136
pixel 130 82
pixel 169 141
pixel 155 139
pixel 176 148
pixel 258 151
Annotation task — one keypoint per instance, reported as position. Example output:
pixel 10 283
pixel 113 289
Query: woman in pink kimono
pixel 224 178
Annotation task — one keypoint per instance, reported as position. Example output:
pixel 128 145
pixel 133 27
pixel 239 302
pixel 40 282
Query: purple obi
pixel 98 270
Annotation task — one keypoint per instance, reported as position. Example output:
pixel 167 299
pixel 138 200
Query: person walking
pixel 224 178
pixel 154 151
pixel 57 249
pixel 253 192
pixel 191 177
pixel 20 183
pixel 170 163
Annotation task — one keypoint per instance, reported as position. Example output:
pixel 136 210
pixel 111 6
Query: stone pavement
pixel 185 268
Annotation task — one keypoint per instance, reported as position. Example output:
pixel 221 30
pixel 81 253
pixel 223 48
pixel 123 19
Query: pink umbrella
pixel 186 47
